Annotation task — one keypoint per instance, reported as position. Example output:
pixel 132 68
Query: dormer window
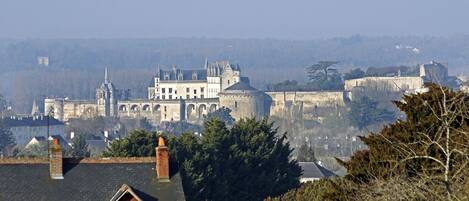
pixel 166 76
pixel 194 76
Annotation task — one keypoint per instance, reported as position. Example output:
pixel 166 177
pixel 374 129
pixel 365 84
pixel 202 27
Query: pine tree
pixel 139 143
pixel 79 147
pixel 6 137
pixel 247 162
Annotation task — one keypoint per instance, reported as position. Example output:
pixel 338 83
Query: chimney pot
pixel 56 141
pixel 162 161
pixel 55 161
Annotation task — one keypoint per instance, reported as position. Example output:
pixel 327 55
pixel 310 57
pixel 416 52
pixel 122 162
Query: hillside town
pixel 117 100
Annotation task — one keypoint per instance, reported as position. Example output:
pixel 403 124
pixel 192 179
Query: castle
pixel 189 95
pixel 174 95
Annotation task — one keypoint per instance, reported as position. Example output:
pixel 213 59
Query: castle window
pixel 201 90
pixel 195 97
pixel 187 90
pixel 165 109
pixel 236 104
pixel 201 96
pixel 170 96
pixel 188 97
pixel 228 81
pixel 163 90
pixel 163 97
pixel 194 75
pixel 170 90
pixel 175 91
pixel 195 91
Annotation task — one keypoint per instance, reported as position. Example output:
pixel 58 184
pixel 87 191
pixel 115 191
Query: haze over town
pixel 234 100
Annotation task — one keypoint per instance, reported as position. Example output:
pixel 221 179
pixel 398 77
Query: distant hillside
pixel 263 60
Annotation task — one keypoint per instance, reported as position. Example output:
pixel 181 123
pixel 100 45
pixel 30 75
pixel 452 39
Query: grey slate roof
pixel 314 170
pixel 241 86
pixel 186 75
pixel 85 181
pixel 29 121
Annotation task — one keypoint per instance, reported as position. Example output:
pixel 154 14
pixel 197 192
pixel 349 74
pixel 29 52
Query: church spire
pixel 206 63
pixel 35 109
pixel 106 80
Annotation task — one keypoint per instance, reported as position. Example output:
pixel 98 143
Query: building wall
pixel 158 111
pixel 213 87
pixel 307 103
pixel 244 105
pixel 64 110
pixel 394 84
pixel 229 77
pixel 185 90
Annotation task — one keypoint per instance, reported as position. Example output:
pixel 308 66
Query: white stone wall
pixel 307 102
pixel 186 90
pixel 395 84
pixel 243 105
pixel 213 87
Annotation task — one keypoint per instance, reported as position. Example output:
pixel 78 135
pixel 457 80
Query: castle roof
pixel 182 75
pixel 241 86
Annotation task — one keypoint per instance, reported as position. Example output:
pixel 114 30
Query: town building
pixel 26 128
pixel 37 140
pixel 312 171
pixel 90 179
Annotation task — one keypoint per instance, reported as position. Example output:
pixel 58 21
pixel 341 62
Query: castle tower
pixel 244 101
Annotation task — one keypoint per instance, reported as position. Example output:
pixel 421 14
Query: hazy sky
pixel 286 19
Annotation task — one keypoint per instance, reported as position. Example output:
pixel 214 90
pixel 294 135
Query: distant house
pixel 25 128
pixel 38 139
pixel 116 179
pixel 313 171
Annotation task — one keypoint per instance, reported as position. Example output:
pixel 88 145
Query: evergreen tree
pixel 223 114
pixel 431 143
pixel 79 147
pixel 247 162
pixel 139 143
pixel 365 111
pixel 6 137
pixel 323 77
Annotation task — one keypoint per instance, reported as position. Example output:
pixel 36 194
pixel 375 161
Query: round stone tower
pixel 244 101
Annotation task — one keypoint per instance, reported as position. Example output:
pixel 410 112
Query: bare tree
pixel 445 145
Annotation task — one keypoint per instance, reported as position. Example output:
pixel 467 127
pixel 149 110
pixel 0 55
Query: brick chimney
pixel 56 164
pixel 162 161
